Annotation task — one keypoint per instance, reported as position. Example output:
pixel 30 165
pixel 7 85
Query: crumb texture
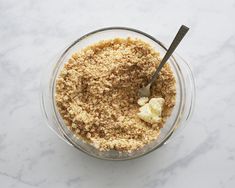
pixel 96 93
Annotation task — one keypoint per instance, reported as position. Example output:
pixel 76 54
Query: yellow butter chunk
pixel 151 111
pixel 156 105
pixel 142 101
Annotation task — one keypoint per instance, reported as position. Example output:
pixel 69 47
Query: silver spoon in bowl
pixel 145 91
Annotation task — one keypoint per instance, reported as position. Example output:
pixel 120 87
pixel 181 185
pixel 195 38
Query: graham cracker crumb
pixel 97 93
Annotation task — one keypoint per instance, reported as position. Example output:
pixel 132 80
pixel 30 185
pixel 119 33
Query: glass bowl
pixel 185 88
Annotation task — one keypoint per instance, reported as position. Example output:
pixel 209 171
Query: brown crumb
pixel 96 93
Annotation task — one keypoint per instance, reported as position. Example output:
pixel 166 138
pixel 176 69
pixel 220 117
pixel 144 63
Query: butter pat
pixel 156 105
pixel 151 112
pixel 142 101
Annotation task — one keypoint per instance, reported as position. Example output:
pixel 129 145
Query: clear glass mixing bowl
pixel 185 98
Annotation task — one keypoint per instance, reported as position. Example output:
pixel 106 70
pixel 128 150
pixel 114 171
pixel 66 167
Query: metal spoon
pixel 145 91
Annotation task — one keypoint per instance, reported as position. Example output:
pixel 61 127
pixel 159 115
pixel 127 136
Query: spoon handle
pixel 179 36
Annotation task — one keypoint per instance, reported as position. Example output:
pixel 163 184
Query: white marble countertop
pixel 32 32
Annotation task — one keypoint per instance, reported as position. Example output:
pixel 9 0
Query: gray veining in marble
pixel 33 32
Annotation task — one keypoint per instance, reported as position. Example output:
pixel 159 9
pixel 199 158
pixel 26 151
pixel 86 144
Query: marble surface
pixel 32 32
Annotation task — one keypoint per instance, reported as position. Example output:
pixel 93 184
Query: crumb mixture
pixel 97 93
